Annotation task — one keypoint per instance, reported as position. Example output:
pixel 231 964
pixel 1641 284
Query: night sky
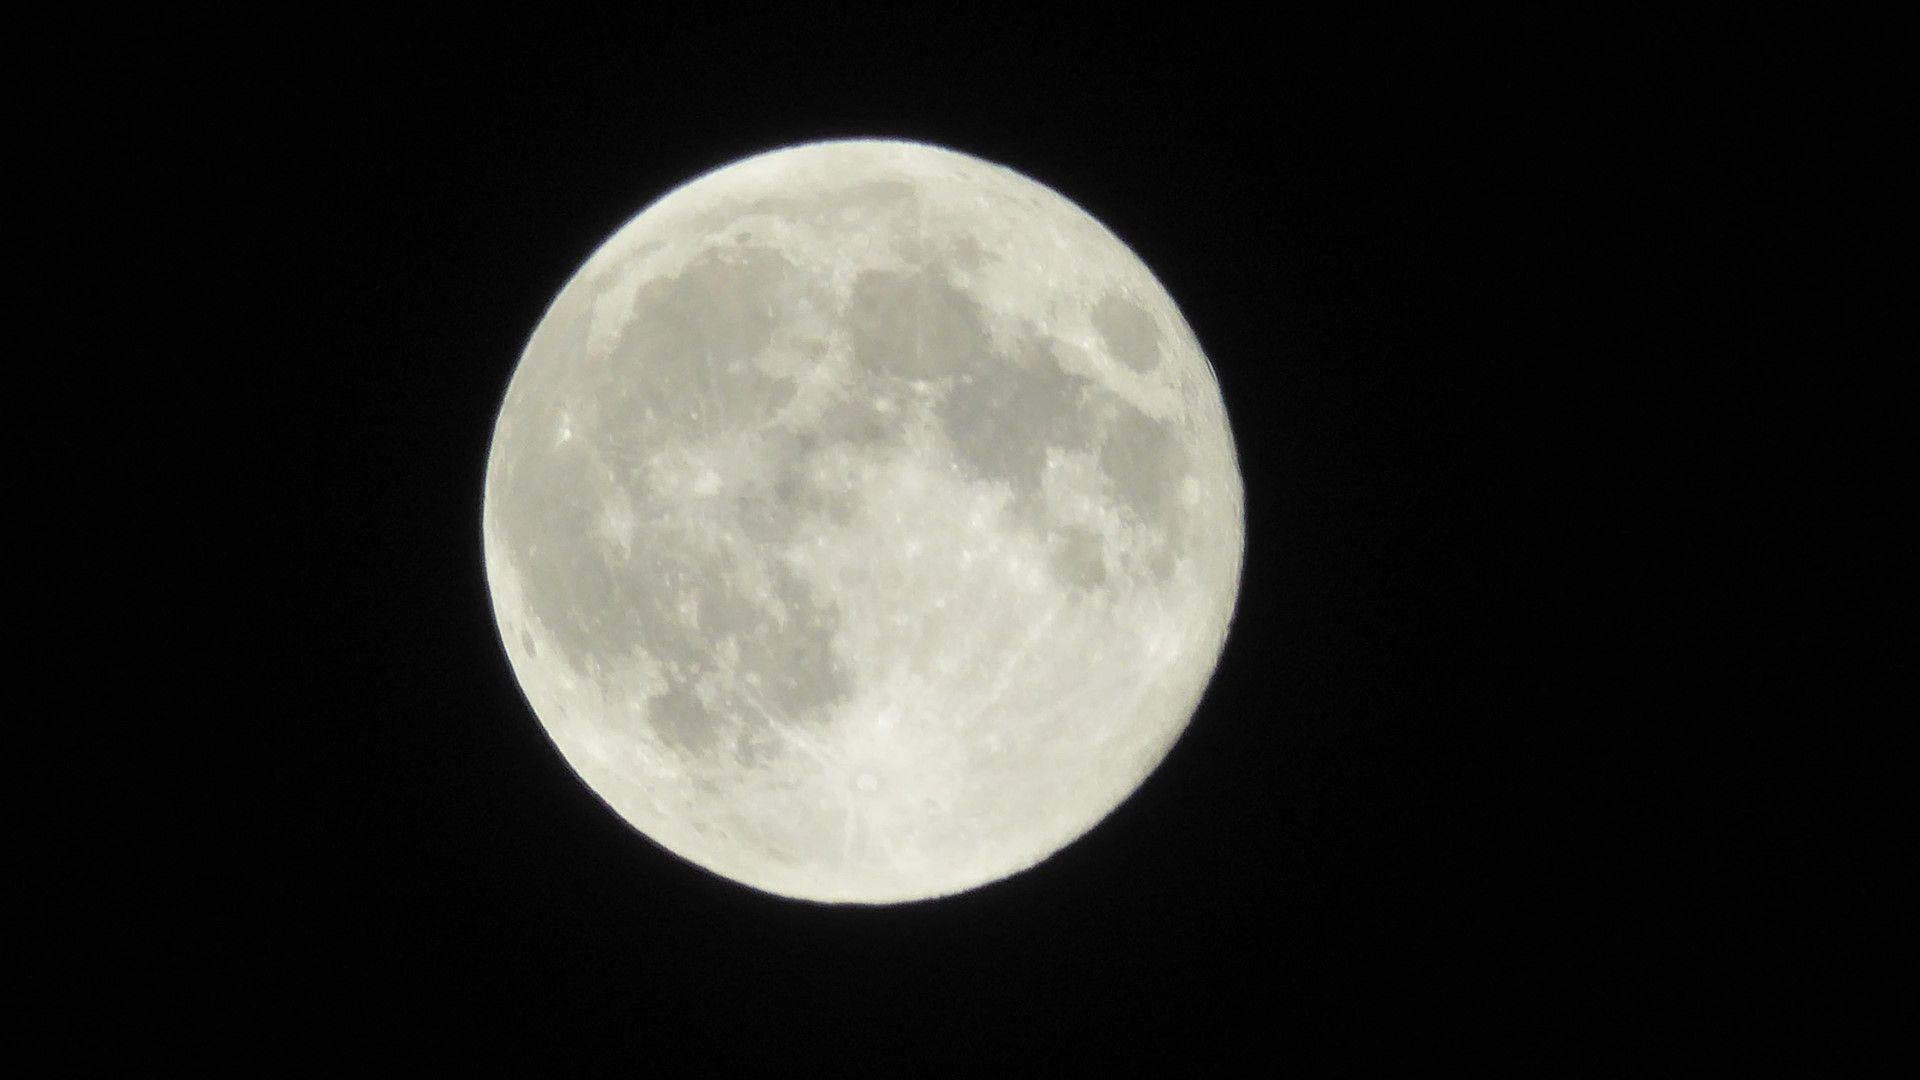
pixel 1497 760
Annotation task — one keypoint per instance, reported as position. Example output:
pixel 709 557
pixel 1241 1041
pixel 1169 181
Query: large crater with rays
pixel 862 522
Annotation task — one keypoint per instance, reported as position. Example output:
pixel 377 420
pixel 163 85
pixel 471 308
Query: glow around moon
pixel 862 522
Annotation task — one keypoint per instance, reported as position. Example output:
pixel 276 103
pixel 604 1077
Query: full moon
pixel 862 522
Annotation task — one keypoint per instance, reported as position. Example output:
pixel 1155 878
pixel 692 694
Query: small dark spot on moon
pixel 1079 559
pixel 1160 561
pixel 748 750
pixel 687 347
pixel 852 421
pixel 1128 331
pixel 1146 462
pixel 915 326
pixel 1003 422
pixel 840 507
pixel 681 718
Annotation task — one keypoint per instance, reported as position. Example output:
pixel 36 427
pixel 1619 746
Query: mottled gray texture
pixel 862 522
pixel 1128 332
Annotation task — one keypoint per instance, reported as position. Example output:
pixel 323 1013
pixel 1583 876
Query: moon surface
pixel 862 522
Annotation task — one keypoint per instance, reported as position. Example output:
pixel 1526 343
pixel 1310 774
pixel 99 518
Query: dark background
pixel 1505 755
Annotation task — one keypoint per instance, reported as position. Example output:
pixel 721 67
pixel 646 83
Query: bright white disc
pixel 862 522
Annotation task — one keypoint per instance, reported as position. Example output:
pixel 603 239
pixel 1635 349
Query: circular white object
pixel 862 522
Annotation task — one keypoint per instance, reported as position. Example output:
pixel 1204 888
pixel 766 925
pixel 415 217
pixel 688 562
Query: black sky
pixel 1494 761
